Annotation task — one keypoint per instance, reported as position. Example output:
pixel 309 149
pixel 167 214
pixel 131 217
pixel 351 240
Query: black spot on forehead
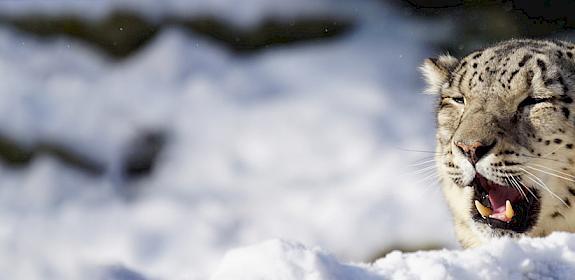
pixel 565 111
pixel 462 64
pixel 541 65
pixel 564 87
pixel 536 51
pixel 491 66
pixel 524 60
pixel 469 84
pixel 529 79
pixel 461 80
pixel 512 75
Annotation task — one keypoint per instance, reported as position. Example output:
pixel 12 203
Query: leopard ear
pixel 436 71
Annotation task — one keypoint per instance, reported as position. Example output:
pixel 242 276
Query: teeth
pixel 483 210
pixel 509 213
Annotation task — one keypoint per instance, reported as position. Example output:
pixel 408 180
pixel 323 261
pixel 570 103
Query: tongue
pixel 498 196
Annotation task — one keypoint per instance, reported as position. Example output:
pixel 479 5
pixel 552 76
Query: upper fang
pixel 483 210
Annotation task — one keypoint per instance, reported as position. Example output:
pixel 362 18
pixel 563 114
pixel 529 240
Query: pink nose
pixel 474 151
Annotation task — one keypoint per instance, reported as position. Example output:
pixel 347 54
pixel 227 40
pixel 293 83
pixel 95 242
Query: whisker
pixel 522 192
pixel 528 189
pixel 552 174
pixel 419 171
pixel 425 175
pixel 418 151
pixel 547 189
pixel 422 169
pixel 421 163
pixel 515 185
pixel 430 176
pixel 428 188
pixel 556 149
pixel 542 184
pixel 551 169
pixel 544 158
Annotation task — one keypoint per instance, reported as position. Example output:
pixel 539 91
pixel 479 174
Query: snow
pixel 552 257
pixel 305 143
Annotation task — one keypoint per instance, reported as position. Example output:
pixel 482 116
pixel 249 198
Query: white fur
pixel 436 73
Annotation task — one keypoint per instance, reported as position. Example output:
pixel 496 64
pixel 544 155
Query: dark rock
pixel 122 33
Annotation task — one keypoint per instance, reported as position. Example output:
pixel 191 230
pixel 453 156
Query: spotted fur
pixel 518 94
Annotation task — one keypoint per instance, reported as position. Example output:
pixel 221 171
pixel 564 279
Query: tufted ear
pixel 436 71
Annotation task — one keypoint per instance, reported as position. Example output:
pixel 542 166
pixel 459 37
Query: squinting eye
pixel 530 101
pixel 459 100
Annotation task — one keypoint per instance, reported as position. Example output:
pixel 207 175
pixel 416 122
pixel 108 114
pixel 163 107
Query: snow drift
pixel 552 257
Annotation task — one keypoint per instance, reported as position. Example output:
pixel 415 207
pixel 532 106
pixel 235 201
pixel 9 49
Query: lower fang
pixel 509 213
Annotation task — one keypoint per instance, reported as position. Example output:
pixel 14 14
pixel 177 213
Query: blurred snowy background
pixel 144 139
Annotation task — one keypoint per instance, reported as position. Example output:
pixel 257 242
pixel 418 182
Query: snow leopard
pixel 505 138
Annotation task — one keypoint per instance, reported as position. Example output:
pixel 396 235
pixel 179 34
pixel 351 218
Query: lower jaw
pixel 500 228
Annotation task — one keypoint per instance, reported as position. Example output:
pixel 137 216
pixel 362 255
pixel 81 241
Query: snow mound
pixel 552 257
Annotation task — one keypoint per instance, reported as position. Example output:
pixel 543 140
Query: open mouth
pixel 504 207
